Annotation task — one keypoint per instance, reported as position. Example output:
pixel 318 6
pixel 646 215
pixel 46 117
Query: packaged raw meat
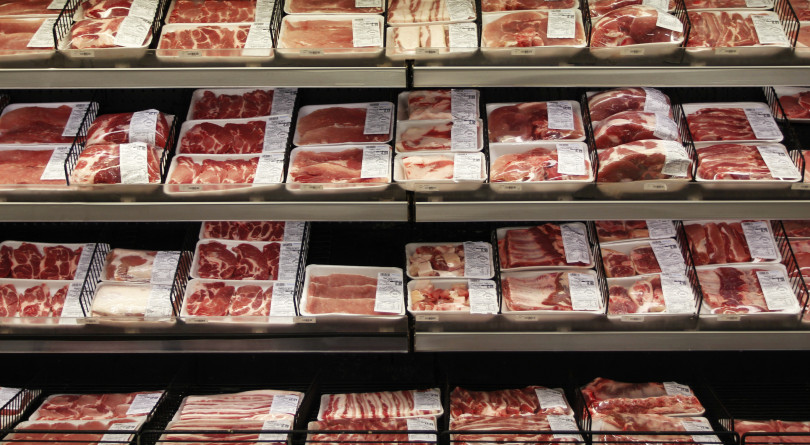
pixel 634 25
pixel 697 5
pixel 437 135
pixel 385 404
pixel 26 299
pixel 422 42
pixel 651 422
pixel 726 242
pixel 303 35
pixel 98 406
pixel 539 165
pixel 101 164
pixel 16 35
pixel 239 260
pixel 438 296
pixel 795 101
pixel 71 431
pixel 231 103
pixel 252 230
pixel 646 295
pixel 645 160
pixel 97 34
pixel 530 121
pixel 137 266
pixel 205 173
pixel 344 124
pixel 27 165
pixel 43 123
pixel 239 406
pixel 412 169
pixel 731 121
pixel 423 105
pixel 599 8
pixel 232 430
pixel 740 290
pixel 224 42
pixel 223 136
pixel 369 428
pixel 544 291
pixel 513 429
pixel 528 401
pixel 447 260
pixel 44 261
pixel 212 11
pixel 612 231
pixel 503 31
pixel 329 7
pixel 745 427
pixel 801 250
pixel 609 397
pixel 797 228
pixel 132 301
pixel 351 290
pixel 630 126
pixel 230 301
pixel 739 31
pixel 630 259
pixel 730 163
pixel 604 104
pixel 803 42
pixel 549 245
pixel 802 9
pixel 409 12
pixel 26 8
pixel 526 5
pixel 151 126
pixel 340 165
pixel 103 9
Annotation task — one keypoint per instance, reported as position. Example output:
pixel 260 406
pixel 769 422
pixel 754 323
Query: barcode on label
pixel 43 38
pixel 420 424
pixel 760 240
pixel 778 162
pixel 655 101
pixel 275 425
pixel 294 231
pixel 259 40
pixel 665 128
pixel 289 257
pixel 133 163
pixel 389 295
pixel 143 126
pixel 121 438
pixel 284 404
pixel 668 254
pixel 160 301
pixel 564 423
pixel 560 115
pixel 668 21
pixel 676 159
pixel 571 159
pixel 378 118
pixel 72 308
pixel 779 295
pixel 276 132
pixel 269 169
pixel 283 101
pixel 550 398
pixel 575 243
pixel 144 403
pixel 463 35
pixel 677 389
pixel 460 10
pixel 132 32
pixel 464 104
pixel 762 123
pixel 165 266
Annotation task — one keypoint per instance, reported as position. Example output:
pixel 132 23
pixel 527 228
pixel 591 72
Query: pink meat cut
pixel 224 138
pixel 25 7
pixel 631 25
pixel 404 12
pixel 335 125
pixel 606 396
pixel 641 260
pixel 438 167
pixel 643 296
pixel 231 432
pixel 257 261
pixel 718 243
pixel 630 126
pixel 219 300
pixel 207 37
pixel 608 231
pixel 88 406
pixel 212 11
pixel 100 164
pixel 536 426
pixel 188 170
pixel 544 292
pixel 431 298
pixel 33 300
pixel 26 167
pixel 644 422
pixel 536 246
pixel 368 434
pixel 729 290
pixel 713 29
pixel 528 122
pixel 104 9
pixel 526 29
pixel 798 228
pixel 96 33
pixel 244 230
pixel 247 405
pixel 524 5
pixel 634 161
pixel 330 167
pixel 70 431
pixel 213 105
pixel 408 38
pixel 801 250
pixel 426 137
pixel 536 165
pixel 16 33
pixel 372 405
pixel 39 261
pixel 114 129
pixel 610 102
pixel 329 7
pixel 317 34
pixel 796 106
pixel 601 7
pixel 429 104
pixel 342 294
pixel 720 124
pixel 501 403
pixel 35 124
pixel 745 427
pixel 732 161
pixel 129 265
pixel 437 261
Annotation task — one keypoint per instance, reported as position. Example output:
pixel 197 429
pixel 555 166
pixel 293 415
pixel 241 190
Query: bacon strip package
pixel 77 431
pixel 239 406
pixel 605 396
pixel 538 424
pixel 526 401
pixel 649 422
pixel 379 405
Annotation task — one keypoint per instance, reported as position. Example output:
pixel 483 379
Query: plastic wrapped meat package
pixel 643 422
pixel 631 258
pixel 532 121
pixel 223 136
pixel 630 167
pixel 610 232
pixel 187 431
pixel 339 168
pixel 344 124
pixel 598 8
pixel 424 42
pixel 351 291
pixel 40 123
pixel 333 431
pixel 238 260
pixel 795 101
pixel 446 172
pixel 631 126
pixel 221 42
pixel 213 11
pixel 132 302
pixel 438 296
pixel 738 166
pixel 551 293
pixel 739 290
pixel 508 403
pixel 248 230
pixel 437 135
pixel 307 35
pixel 634 31
pixel 537 167
pixel 430 105
pixel 152 127
pixel 729 242
pixel 412 12
pixel 745 427
pixel 100 37
pixel 31 167
pixel 537 429
pixel 735 33
pixel 603 104
pixel 550 33
pixel 237 407
pixel 329 7
pixel 127 265
pixel 224 173
pixel 383 404
pixel 732 121
pixel 547 246
pixel 608 397
pixel 228 301
pixel 43 261
pixel 526 5
pixel 88 432
pixel 102 164
pixel 71 407
pixel 645 295
pixel 231 103
pixel 447 260
pixel 27 8
pixel 16 34
pixel 32 301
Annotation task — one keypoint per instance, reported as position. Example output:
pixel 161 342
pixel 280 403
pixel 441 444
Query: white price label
pixel 366 32
pixel 477 260
pixel 655 101
pixel 460 10
pixel 259 40
pixel 560 115
pixel 564 423
pixel 283 302
pixel 85 259
pixel 132 159
pixel 275 425
pixel 264 10
pixel 376 162
pixel 467 167
pixel 769 30
pixel 668 254
pixel 190 53
pixel 464 104
pixel 661 5
pixel 756 4
pixel 55 169
pixel 144 403
pixel 463 35
pixel 6 394
pixel 72 308
pixel 159 304
pixel 778 162
pixel 289 257
pixel 143 126
pixel 678 298
pixel 523 52
pixel 57 4
pixel 655 187
pixel 269 169
pixel 427 51
pixel 677 389
pixel 800 186
pixel 585 295
pixel 389 296
pixel 760 240
pixel 625 51
pixel 762 122
pixel 144 9
pixel 697 426
pixel 43 38
pixel 571 159
pixel 660 228
pixel 283 101
pixel 561 24
pixel 776 287
pixel 464 135
pixel 421 424
pixel 75 119
pixel 165 267
pixel 132 32
pixel 276 133
pixel 665 128
pixel 427 400
pixel 294 231
pixel 120 438
pixel 727 51
pixel 668 21
pixel 483 297
pixel 378 118
pixel 284 404
pixel 575 243
pixel 367 4
pixel 676 160
pixel 550 398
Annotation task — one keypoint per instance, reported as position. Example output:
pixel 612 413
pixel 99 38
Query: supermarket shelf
pixel 612 341
pixel 602 76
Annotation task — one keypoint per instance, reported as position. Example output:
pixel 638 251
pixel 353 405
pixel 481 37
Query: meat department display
pixel 539 291
pixel 328 7
pixel 15 35
pixel 230 103
pixel 101 164
pixel 544 246
pixel 730 122
pixel 26 166
pixel 116 129
pixel 30 298
pixel 426 295
pixel 93 406
pixel 465 403
pixel 634 25
pixel 525 122
pixel 220 137
pixel 332 165
pixel 42 123
pixel 243 230
pixel 527 29
pixel 604 104
pixel 234 260
pixel 337 124
pixel 207 298
pixel 742 162
pixel 642 161
pixel 609 397
pixel 212 11
pixel 631 126
pixel 725 242
pixel 404 12
pixel 379 405
pixel 39 261
pixel 516 5
pixel 239 406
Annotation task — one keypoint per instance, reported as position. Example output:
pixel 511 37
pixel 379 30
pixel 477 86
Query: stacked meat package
pixel 219 30
pixel 430 29
pixel 341 291
pixel 232 140
pixel 439 139
pixel 389 411
pixel 245 271
pixel 496 416
pixel 118 33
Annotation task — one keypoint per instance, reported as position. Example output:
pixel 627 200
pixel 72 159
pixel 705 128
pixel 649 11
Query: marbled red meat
pixel 329 7
pixel 206 37
pixel 797 106
pixel 630 126
pixel 404 12
pixel 642 296
pixel 34 300
pixel 718 243
pixel 607 103
pixel 32 124
pixel 599 8
pixel 221 105
pixel 733 161
pixel 536 165
pixel 720 124
pixel 87 406
pixel 368 434
pixel 129 265
pixel 526 29
pixel 429 104
pixel 219 299
pixel 96 33
pixel 373 405
pixel 114 129
pixel 545 291
pixel 631 25
pixel 317 34
pixel 100 164
pixel 529 122
pixel 426 137
pixel 539 246
pixel 729 290
pixel 244 230
pixel 39 261
pixel 76 432
pixel 243 261
pixel 513 429
pixel 188 170
pixel 713 29
pixel 798 228
pixel 26 7
pixel 335 125
pixel 501 403
pixel 224 138
pixel 608 231
pixel 341 293
pixel 329 167
pixel 212 11
pixel 635 161
pixel 428 297
pixel 524 5
pixel 104 9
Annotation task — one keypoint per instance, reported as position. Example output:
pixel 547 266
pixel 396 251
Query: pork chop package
pixel 412 12
pixel 331 7
pixel 221 42
pixel 655 294
pixel 26 38
pixel 440 135
pixel 130 163
pixel 528 401
pixel 609 232
pixel 634 423
pixel 430 42
pixel 352 290
pixel 603 104
pixel 631 258
pixel 630 126
pixel 240 103
pixel 384 404
pixel 731 241
pixel 187 431
pixel 128 407
pixel 290 231
pixel 795 101
pixel 735 33
pixel 233 136
pixel 732 121
pixel 547 246
pixel 216 11
pixel 74 431
pixel 543 166
pixel 140 266
pixel 598 8
pixel 420 105
pixel 149 126
pixel 244 260
pixel 45 261
pixel 356 123
pixel 133 302
pixel 339 167
pixel 747 289
pixel 647 31
pixel 645 161
pixel 232 301
pixel 129 35
pixel 533 34
pixel 346 36
pixel 33 165
pixel 440 171
pixel 224 173
pixel 41 123
pixel 535 121
pixel 561 294
pixel 606 397
pixel 746 165
pixel 470 259
pixel 535 427
pixel 27 301
pixel 240 406
pixel 333 431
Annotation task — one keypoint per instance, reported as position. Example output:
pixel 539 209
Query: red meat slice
pixel 208 37
pixel 524 5
pixel 526 29
pixel 610 102
pixel 244 230
pixel 717 243
pixel 58 301
pixel 339 279
pixel 319 34
pixel 35 124
pixel 212 171
pixel 6 253
pixel 631 25
pixel 360 306
pixel 100 164
pixel 233 106
pixel 35 302
pixel 329 167
pixel 720 124
pixel 249 301
pixel 104 9
pixel 601 7
pixel 27 260
pixel 629 126
pixel 114 129
pixel 212 11
pixel 713 29
pixel 621 230
pixel 546 291
pixel 617 264
pixel 230 138
pixel 329 7
pixel 429 104
pixel 215 260
pixel 250 263
pixel 9 301
pixel 528 122
pixel 272 254
pixel 728 290
pixel 644 260
pixel 26 167
pixel 634 161
pixel 210 299
pixel 25 7
pixel 335 125
pixel 58 263
pixel 732 161
pixel 796 106
pixel 536 246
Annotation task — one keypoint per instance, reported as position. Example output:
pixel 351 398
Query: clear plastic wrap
pixel 212 39
pixel 529 121
pixel 640 161
pixel 422 42
pixel 543 292
pixel 609 397
pixel 230 103
pixel 797 228
pixel 431 135
pixel 726 242
pixel 94 406
pixel 716 29
pixel 738 290
pixel 74 431
pixel 544 246
pixel 26 8
pixel 128 265
pixel 441 260
pixel 531 164
pixel 633 25
pixel 229 171
pixel 15 36
pixel 332 35
pixel 649 423
pixel 795 101
pixel 340 124
pixel 100 164
pixel 629 259
pixel 245 230
pixel 125 300
pixel 212 11
pixel 630 126
pixel 638 295
pixel 333 165
pixel 187 431
pixel 420 105
pixel 801 250
pixel 97 33
pixel 433 167
pixel 612 231
pixel 367 431
pixel 729 121
pixel 239 406
pixel 604 104
pixel 527 29
pixel 236 260
pixel 696 5
pixel 535 428
pixel 599 8
pixel 223 136
pixel 231 299
pixel 115 129
pixel 344 291
pixel 508 403
pixel 737 162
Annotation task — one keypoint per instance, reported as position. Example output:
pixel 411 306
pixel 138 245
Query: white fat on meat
pixel 438 167
pixel 121 300
pixel 408 38
pixel 247 405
